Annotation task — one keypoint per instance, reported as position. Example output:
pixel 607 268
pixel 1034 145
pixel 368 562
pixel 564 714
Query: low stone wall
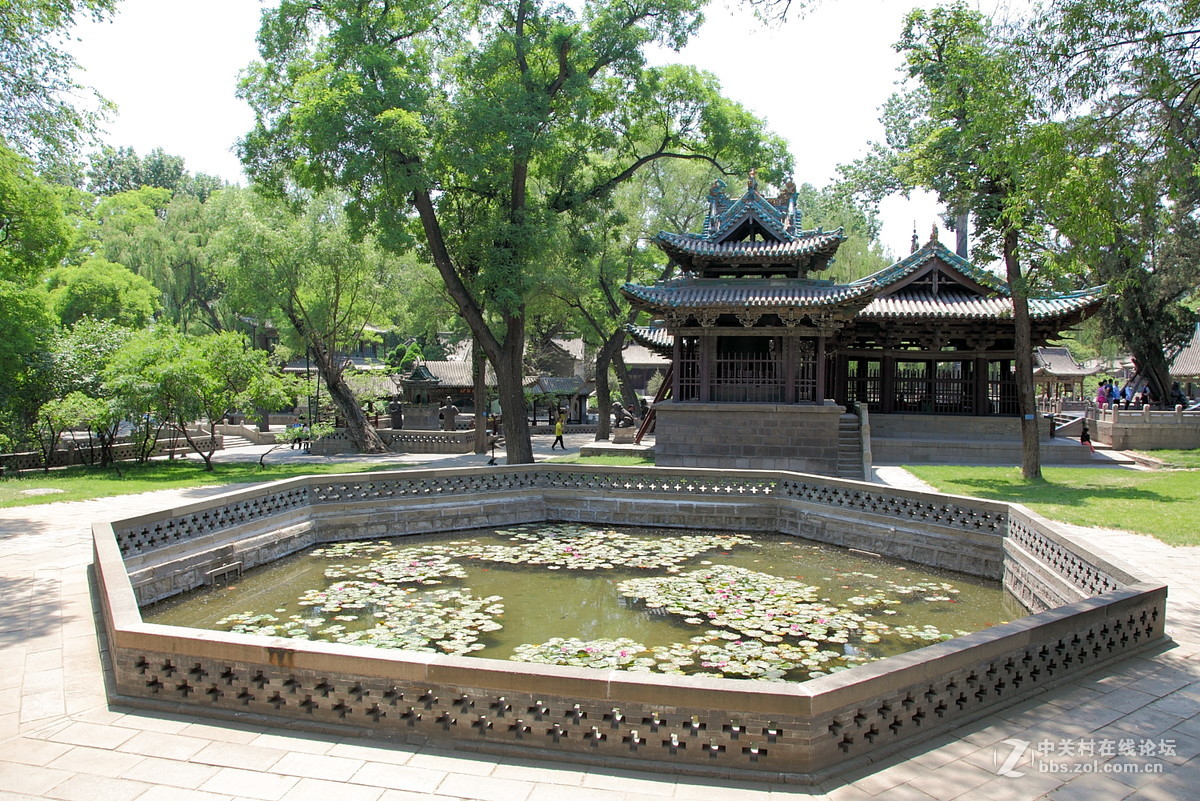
pixel 739 436
pixel 1144 428
pixel 780 731
pixel 83 454
pixel 402 440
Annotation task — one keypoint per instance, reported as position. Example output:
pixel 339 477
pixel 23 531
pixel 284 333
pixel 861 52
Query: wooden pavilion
pixel 766 358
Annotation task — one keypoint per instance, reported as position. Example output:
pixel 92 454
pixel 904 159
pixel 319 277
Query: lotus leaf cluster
pixel 419 565
pixel 754 604
pixel 577 547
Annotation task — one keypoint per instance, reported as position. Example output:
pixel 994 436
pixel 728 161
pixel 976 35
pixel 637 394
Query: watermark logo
pixel 1081 755
pixel 1005 768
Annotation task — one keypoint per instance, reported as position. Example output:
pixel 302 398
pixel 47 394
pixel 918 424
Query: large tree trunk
pixel 358 428
pixel 628 396
pixel 1031 449
pixel 479 374
pixel 510 379
pixel 604 358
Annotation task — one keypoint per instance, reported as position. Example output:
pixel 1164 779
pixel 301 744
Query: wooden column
pixel 706 347
pixel 887 383
pixel 820 366
pixel 790 354
pixel 676 362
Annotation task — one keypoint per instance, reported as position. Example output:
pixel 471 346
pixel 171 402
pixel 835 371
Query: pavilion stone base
pixel 748 436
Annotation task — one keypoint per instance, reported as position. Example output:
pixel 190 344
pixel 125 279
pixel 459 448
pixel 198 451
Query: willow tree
pixel 471 128
pixel 297 266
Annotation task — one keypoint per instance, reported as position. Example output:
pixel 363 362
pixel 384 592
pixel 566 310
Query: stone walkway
pixel 60 738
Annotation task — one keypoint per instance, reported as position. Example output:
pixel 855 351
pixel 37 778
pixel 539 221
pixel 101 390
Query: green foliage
pixel 37 85
pixel 473 128
pixel 112 171
pixel 34 235
pixel 82 352
pixel 102 290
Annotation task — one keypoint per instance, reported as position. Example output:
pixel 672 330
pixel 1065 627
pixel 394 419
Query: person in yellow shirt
pixel 558 432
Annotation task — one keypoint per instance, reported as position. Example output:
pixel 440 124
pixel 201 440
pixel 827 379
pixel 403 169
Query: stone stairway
pixel 232 441
pixel 850 448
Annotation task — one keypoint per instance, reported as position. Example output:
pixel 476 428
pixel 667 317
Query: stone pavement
pixel 60 738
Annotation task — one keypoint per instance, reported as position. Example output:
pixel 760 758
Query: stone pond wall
pixel 776 731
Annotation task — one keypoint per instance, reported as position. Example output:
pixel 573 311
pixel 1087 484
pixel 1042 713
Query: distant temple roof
pixel 1059 362
pixel 1186 361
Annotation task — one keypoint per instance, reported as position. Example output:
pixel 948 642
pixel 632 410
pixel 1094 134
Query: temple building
pixel 770 361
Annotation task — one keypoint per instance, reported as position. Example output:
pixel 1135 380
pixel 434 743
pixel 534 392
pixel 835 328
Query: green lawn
pixel 1162 503
pixel 81 483
pixel 1187 459
pixel 621 460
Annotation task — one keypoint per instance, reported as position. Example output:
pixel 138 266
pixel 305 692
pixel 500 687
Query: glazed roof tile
pixel 686 293
pixel 804 244
pixel 1060 362
pixel 655 340
pixel 919 258
pixel 963 306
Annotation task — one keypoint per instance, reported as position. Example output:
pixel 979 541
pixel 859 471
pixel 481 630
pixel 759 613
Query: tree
pixel 1124 74
pixel 59 415
pixel 112 171
pixel 34 236
pixel 306 273
pixel 969 131
pixel 37 116
pixel 166 240
pixel 474 127
pixel 102 290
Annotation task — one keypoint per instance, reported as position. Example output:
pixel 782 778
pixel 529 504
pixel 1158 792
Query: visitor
pixel 1101 395
pixel 1086 438
pixel 297 432
pixel 558 431
pixel 447 414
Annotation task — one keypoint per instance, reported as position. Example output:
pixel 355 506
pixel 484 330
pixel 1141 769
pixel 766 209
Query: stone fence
pixel 1094 612
pixel 1145 428
pixel 79 452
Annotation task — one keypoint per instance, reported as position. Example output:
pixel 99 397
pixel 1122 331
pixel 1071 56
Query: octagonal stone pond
pixel 1085 612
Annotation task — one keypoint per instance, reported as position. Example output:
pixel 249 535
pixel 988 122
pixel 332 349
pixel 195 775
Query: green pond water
pixel 766 606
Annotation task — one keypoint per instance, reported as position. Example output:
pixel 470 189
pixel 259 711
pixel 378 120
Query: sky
pixel 819 81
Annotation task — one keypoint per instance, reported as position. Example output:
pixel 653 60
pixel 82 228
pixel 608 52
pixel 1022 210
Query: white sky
pixel 171 67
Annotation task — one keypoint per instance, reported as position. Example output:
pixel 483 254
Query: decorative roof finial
pixel 916 243
pixel 752 182
pixel 933 236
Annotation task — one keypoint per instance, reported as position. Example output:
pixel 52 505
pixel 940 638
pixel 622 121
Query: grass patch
pixel 1189 459
pixel 1163 503
pixel 620 460
pixel 84 483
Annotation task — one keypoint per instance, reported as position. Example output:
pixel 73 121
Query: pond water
pixel 762 606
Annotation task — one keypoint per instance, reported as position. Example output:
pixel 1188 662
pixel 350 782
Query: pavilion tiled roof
pixel 807 243
pixel 457 374
pixel 687 293
pixel 1186 361
pixel 930 251
pixel 1060 362
pixel 964 306
pixel 657 340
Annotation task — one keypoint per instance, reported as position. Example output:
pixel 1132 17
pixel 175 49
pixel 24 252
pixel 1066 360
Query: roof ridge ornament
pixel 933 235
